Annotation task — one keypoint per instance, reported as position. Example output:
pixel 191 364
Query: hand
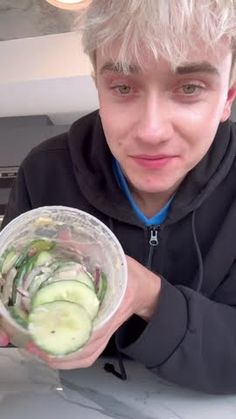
pixel 4 338
pixel 141 298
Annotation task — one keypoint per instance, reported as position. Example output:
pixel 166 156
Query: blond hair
pixel 165 28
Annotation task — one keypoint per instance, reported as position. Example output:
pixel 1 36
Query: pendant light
pixel 69 4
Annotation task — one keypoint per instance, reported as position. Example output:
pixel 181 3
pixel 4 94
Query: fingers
pixel 4 338
pixel 95 346
pixel 83 358
pixel 92 350
pixel 81 361
pixel 34 350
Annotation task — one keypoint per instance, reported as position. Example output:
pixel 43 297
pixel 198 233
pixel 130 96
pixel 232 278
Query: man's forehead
pixel 202 59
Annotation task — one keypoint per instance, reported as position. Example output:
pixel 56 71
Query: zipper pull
pixel 154 237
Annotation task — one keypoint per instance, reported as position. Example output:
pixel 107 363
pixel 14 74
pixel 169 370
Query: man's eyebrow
pixel 188 68
pixel 119 68
pixel 203 67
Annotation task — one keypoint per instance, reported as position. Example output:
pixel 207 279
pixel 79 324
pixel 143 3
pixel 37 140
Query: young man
pixel 157 165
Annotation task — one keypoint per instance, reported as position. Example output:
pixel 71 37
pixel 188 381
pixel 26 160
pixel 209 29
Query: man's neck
pixel 149 203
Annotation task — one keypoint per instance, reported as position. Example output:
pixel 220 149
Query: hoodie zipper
pixel 153 243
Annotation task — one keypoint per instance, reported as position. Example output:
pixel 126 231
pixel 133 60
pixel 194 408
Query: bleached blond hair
pixel 165 28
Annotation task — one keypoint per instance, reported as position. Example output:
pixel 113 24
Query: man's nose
pixel 154 124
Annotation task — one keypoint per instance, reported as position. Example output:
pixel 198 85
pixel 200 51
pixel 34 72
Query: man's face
pixel 159 123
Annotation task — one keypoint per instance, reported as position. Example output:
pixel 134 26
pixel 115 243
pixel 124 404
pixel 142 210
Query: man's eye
pixel 123 89
pixel 191 89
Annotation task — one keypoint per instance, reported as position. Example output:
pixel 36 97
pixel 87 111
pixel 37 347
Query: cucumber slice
pixel 43 258
pixel 60 327
pixel 102 287
pixel 74 271
pixel 86 279
pixel 68 269
pixel 82 277
pixel 9 261
pixel 73 291
pixel 4 255
pixel 39 245
pixel 32 249
pixel 38 281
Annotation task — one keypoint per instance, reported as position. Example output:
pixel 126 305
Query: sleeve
pixel 19 200
pixel 191 339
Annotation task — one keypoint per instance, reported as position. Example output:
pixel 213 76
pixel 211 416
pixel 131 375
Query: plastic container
pixel 87 238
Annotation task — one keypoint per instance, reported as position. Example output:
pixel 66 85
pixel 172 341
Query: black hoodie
pixel 191 338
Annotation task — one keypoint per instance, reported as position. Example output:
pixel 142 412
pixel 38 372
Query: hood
pixel 203 179
pixel 93 169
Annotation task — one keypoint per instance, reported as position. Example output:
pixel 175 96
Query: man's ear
pixel 229 103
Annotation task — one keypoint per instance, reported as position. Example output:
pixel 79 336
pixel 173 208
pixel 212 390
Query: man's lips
pixel 153 161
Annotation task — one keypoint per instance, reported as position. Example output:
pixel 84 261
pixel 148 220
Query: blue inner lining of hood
pixel 158 218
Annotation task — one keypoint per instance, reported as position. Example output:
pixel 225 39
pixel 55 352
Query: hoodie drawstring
pixel 122 373
pixel 199 255
pixel 108 367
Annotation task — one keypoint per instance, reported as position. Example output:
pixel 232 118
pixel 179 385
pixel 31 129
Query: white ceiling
pixel 43 68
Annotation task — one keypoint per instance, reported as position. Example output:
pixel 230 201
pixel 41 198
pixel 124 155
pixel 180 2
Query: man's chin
pixel 153 189
pixel 150 186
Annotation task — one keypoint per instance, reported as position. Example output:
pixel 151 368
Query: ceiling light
pixel 69 4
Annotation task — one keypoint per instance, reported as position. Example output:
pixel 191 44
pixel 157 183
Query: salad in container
pixel 63 274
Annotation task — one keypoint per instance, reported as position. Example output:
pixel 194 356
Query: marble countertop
pixel 29 388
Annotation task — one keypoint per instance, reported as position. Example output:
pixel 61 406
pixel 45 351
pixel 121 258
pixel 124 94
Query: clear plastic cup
pixel 89 240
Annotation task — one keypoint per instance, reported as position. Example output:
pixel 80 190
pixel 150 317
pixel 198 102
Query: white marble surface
pixel 29 18
pixel 29 388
